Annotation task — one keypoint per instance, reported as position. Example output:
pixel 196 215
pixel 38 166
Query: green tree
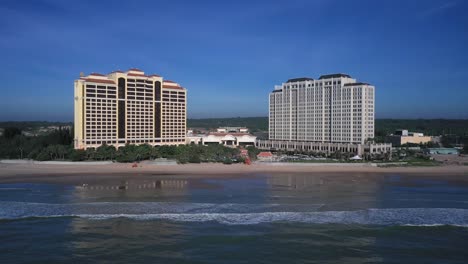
pixel 90 153
pixel 77 155
pixel 11 132
pixel 105 152
pixel 253 152
pixel 43 156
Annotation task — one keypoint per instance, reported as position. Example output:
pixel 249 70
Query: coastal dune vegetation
pixel 58 145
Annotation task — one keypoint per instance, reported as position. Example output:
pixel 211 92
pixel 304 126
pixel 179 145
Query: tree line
pixel 58 145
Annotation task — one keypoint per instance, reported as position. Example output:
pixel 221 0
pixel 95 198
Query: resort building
pixel 334 108
pixel 129 108
pixel 402 137
pixel 325 148
pixel 227 136
pixel 331 113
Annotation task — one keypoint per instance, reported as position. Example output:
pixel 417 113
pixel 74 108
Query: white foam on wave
pixel 404 217
pixel 13 210
pixel 245 214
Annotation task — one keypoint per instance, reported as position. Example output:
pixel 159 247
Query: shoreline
pixel 75 173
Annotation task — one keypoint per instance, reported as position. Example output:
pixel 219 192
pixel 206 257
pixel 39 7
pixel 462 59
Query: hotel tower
pixel 333 109
pixel 129 108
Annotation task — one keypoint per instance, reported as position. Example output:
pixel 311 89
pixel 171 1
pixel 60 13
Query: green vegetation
pixel 55 145
pixel 24 125
pixel 383 127
pixel 253 123
pixel 58 146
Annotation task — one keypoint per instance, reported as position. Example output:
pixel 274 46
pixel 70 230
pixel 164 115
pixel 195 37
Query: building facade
pixel 334 108
pixel 227 136
pixel 129 108
pixel 325 148
pixel 403 137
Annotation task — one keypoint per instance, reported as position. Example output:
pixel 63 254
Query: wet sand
pixel 78 173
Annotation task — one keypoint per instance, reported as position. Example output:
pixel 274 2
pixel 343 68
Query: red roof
pixel 135 69
pixel 169 81
pixel 97 80
pixel 154 75
pixel 97 74
pixel 265 154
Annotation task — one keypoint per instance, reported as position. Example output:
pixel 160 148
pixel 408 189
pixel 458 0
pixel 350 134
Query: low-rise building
pixel 223 136
pixel 326 148
pixel 402 137
pixel 265 156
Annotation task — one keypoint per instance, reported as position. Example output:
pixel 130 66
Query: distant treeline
pixel 433 127
pixel 33 124
pixel 253 123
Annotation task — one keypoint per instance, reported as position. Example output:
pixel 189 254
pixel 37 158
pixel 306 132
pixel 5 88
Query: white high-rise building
pixel 335 108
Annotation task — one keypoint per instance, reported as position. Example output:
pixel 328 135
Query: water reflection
pixel 131 190
pixel 347 218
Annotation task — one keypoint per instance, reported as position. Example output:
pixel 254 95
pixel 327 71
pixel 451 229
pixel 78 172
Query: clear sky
pixel 230 54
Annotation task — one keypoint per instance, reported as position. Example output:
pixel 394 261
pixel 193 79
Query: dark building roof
pixel 299 79
pixel 355 84
pixel 334 75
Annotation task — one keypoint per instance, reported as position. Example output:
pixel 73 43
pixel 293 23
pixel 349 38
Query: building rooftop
pixel 96 74
pixel 136 74
pixel 235 134
pixel 334 75
pixel 97 80
pixel 355 84
pixel 302 79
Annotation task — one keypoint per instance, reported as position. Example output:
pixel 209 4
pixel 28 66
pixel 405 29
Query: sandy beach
pixel 74 173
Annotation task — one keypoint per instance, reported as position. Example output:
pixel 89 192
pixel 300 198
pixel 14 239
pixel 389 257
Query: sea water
pixel 290 218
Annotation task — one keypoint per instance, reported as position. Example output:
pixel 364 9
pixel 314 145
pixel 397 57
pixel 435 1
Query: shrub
pixel 78 155
pixel 43 156
pixel 227 161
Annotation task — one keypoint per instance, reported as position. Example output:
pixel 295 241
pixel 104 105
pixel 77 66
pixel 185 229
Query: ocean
pixel 255 218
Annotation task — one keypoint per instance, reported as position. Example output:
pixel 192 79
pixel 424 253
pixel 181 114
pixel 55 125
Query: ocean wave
pixel 19 209
pixel 247 214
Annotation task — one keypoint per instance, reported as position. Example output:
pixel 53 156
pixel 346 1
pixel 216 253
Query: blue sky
pixel 230 54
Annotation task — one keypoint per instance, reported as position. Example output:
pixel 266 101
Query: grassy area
pixel 412 163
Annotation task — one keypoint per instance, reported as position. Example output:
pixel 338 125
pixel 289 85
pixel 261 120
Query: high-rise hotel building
pixel 335 108
pixel 129 108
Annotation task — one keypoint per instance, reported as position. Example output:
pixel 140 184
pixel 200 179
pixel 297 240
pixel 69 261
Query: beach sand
pixel 78 173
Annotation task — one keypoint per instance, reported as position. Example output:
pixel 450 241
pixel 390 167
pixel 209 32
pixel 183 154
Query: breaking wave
pixel 237 214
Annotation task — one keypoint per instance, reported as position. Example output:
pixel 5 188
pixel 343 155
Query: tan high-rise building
pixel 129 108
